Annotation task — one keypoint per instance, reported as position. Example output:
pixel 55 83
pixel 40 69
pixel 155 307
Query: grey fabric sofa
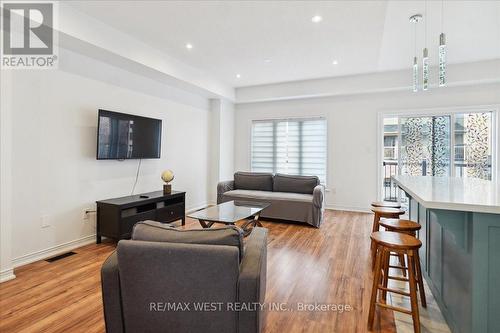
pixel 148 281
pixel 293 198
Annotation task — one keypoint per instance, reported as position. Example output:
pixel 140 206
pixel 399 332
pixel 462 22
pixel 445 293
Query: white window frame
pixel 451 111
pixel 319 117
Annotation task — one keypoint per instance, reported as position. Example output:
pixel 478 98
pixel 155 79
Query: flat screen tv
pixel 122 136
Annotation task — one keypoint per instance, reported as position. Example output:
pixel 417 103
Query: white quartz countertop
pixel 452 193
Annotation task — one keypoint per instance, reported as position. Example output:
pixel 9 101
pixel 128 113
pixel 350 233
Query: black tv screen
pixel 123 136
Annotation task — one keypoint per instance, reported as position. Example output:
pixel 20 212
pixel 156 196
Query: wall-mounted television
pixel 122 136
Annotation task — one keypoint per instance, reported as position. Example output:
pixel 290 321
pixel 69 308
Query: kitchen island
pixel 460 254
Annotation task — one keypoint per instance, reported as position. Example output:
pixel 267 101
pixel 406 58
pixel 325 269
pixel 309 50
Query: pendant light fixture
pixel 425 69
pixel 415 19
pixel 442 51
pixel 415 74
pixel 425 56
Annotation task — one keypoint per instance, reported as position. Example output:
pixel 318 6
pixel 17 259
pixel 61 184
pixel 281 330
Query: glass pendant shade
pixel 425 69
pixel 442 59
pixel 414 19
pixel 415 74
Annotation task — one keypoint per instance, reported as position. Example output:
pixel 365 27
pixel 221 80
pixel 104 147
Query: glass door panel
pixel 390 158
pixel 441 146
pixel 473 148
pixel 425 146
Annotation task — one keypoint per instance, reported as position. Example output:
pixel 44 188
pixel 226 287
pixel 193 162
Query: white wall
pixel 214 152
pixel 221 144
pixel 226 155
pixel 55 172
pixel 6 271
pixel 352 132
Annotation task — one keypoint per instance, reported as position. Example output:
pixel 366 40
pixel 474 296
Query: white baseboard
pixel 65 247
pixel 7 275
pixel 349 208
pixel 52 251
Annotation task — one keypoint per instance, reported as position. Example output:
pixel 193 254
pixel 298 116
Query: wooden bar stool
pixel 383 212
pixel 402 226
pixel 388 204
pixel 387 242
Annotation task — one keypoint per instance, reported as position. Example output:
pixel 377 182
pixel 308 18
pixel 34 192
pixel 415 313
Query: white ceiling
pixel 237 37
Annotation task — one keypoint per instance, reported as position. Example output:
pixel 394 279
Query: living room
pixel 297 130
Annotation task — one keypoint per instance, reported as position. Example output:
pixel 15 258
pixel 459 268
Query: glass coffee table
pixel 231 212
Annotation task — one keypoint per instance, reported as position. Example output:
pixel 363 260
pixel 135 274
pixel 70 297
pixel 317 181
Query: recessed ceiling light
pixel 238 76
pixel 189 46
pixel 267 61
pixel 335 62
pixel 316 18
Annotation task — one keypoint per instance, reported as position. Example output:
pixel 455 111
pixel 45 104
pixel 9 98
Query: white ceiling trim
pixel 484 72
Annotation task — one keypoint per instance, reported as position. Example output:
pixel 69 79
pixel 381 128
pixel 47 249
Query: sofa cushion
pixel 266 195
pixel 253 181
pixel 153 231
pixel 295 184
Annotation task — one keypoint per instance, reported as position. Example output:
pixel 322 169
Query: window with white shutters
pixel 290 146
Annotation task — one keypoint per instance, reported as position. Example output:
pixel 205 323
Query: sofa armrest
pixel 319 196
pixel 222 188
pixel 111 295
pixel 252 280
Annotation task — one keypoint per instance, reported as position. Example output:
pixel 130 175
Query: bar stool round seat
pixel 387 204
pixel 388 212
pixel 395 240
pixel 399 225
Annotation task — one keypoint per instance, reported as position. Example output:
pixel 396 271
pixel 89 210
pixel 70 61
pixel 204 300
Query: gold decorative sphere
pixel 167 176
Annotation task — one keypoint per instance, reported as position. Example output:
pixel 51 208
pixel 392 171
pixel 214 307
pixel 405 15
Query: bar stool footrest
pixel 394 308
pixel 393 291
pixel 398 278
pixel 398 267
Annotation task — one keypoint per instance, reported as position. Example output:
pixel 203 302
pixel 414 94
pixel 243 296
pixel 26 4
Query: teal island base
pixel 460 259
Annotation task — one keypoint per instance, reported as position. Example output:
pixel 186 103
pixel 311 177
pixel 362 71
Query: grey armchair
pixel 161 285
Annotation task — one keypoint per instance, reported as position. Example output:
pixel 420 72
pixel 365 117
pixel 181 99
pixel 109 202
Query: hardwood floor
pixel 329 265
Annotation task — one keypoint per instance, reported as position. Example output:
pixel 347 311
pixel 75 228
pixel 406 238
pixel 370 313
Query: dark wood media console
pixel 116 217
